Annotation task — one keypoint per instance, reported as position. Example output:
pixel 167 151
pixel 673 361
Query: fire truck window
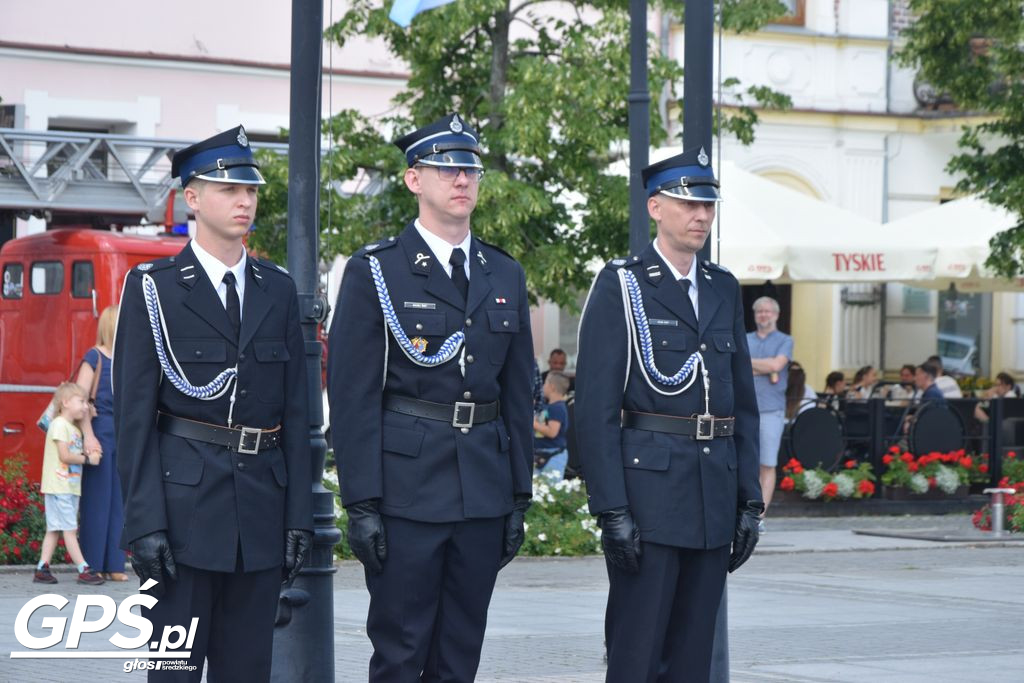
pixel 14 278
pixel 81 279
pixel 47 277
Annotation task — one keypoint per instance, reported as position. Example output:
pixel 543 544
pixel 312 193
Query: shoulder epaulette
pixel 153 266
pixel 617 263
pixel 715 266
pixel 374 247
pixel 495 248
pixel 270 265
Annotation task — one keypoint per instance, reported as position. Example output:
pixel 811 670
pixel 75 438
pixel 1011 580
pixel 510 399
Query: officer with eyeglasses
pixel 430 383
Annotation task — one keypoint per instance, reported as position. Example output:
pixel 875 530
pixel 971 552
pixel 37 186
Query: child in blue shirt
pixel 550 427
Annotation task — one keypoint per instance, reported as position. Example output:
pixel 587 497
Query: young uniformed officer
pixel 430 389
pixel 211 409
pixel 666 422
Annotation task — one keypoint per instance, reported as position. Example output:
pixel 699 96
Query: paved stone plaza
pixel 816 603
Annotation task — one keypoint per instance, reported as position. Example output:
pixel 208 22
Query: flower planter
pixel 901 493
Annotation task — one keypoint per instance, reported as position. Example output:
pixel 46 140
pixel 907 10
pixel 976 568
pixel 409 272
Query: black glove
pixel 152 559
pixel 515 530
pixel 366 534
pixel 297 544
pixel 620 539
pixel 745 538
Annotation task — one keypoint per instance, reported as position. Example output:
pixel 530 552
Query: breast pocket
pixel 503 323
pixel 671 349
pixel 200 359
pixel 725 344
pixel 271 356
pixel 431 326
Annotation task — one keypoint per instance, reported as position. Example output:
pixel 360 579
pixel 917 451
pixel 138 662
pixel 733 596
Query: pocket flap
pixel 668 340
pixel 724 343
pixel 402 441
pixel 200 350
pixel 644 457
pixel 280 470
pixel 503 321
pixel 423 323
pixel 274 351
pixel 182 470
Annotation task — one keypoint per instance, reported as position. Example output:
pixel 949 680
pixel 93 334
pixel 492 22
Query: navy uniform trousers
pixel 224 513
pixel 444 492
pixel 683 494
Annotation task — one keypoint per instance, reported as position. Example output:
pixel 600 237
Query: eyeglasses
pixel 450 173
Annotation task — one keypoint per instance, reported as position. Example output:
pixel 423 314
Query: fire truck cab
pixel 55 284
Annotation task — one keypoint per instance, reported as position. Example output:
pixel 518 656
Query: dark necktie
pixel 233 306
pixel 685 284
pixel 458 261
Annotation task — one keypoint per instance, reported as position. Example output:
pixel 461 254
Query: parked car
pixel 959 354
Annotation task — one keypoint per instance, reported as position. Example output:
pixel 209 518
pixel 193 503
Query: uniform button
pixel 706 450
pixel 167 473
pixel 469 359
pixel 664 342
pixel 198 353
pixel 636 461
pixel 467 394
pixel 505 323
pixel 419 326
pixel 465 430
pixel 469 322
pixel 274 354
pixel 703 347
pixel 241 357
pixel 243 393
pixel 241 465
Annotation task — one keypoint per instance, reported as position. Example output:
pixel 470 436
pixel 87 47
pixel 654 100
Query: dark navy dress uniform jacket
pixel 421 469
pixel 210 499
pixel 682 492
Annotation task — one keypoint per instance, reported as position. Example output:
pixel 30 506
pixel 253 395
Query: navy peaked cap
pixel 224 158
pixel 449 141
pixel 685 176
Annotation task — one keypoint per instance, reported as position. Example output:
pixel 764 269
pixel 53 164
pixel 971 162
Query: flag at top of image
pixel 403 11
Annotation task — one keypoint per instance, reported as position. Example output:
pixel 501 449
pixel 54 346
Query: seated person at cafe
pixel 835 383
pixel 799 395
pixel 550 454
pixel 1005 387
pixel 946 384
pixel 906 389
pixel 863 384
pixel 924 379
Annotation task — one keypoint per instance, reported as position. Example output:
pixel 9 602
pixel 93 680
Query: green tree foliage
pixel 549 100
pixel 971 51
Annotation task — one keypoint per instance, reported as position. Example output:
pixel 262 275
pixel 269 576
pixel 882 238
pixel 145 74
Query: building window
pixel 795 13
pixel 81 279
pixel 14 277
pixel 47 277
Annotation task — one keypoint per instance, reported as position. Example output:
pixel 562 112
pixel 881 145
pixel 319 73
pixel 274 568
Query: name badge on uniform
pixel 663 323
pixel 423 305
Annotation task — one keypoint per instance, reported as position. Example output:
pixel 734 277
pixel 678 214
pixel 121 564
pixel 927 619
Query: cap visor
pixel 454 157
pixel 243 175
pixel 694 193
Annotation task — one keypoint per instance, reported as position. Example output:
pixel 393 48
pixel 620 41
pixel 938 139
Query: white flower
pixel 331 476
pixel 558 551
pixel 918 483
pixel 814 484
pixel 845 483
pixel 947 479
pixel 542 536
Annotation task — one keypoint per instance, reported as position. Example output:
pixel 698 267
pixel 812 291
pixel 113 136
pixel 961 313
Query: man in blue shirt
pixel 770 354
pixel 924 380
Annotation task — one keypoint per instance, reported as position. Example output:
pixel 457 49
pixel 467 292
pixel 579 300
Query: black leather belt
pixel 459 414
pixel 241 439
pixel 700 427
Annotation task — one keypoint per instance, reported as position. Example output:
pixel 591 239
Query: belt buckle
pixel 467 423
pixel 705 427
pixel 247 432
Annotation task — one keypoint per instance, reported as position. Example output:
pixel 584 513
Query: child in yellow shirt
pixel 61 483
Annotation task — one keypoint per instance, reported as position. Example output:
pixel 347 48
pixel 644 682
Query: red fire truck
pixel 55 284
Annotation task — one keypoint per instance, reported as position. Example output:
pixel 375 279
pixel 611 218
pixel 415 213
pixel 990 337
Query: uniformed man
pixel 212 425
pixel 430 393
pixel 666 423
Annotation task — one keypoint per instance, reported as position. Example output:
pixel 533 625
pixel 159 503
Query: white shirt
pixel 215 270
pixel 442 250
pixel 677 276
pixel 948 386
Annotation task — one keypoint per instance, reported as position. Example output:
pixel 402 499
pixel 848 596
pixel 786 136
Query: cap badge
pixel 455 125
pixel 702 157
pixel 242 140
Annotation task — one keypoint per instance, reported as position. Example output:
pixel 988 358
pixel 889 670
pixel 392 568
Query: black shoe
pixel 44 575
